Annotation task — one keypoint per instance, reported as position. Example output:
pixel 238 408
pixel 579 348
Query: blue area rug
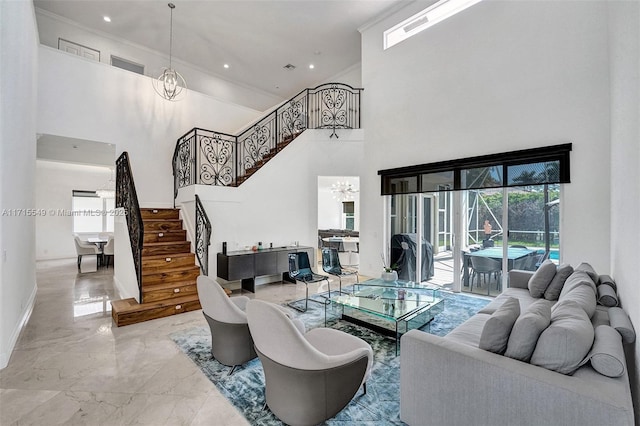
pixel 381 405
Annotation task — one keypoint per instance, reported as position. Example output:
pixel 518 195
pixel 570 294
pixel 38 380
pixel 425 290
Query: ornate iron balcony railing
pixel 127 198
pixel 206 157
pixel 203 236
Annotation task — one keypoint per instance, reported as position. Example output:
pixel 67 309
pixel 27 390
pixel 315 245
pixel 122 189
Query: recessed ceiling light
pixel 226 65
pixel 106 19
pixel 311 66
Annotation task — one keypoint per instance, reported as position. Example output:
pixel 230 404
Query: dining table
pixel 514 254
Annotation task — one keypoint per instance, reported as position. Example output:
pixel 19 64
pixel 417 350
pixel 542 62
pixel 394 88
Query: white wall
pixel 498 77
pixel 18 83
pixel 54 185
pixel 279 204
pixel 624 27
pixel 84 99
pixel 51 27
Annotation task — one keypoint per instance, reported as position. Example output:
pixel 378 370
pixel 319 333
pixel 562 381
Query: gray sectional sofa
pixel 549 378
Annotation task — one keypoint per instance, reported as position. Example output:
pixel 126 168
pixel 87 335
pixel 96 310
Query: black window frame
pixel 560 153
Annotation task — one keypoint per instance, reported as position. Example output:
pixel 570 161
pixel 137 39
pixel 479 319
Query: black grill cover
pixel 404 260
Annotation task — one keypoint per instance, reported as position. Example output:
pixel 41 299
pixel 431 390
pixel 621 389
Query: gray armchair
pixel 231 342
pixel 309 377
pixel 85 248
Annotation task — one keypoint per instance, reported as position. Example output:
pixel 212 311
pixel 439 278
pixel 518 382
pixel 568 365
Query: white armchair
pixel 309 377
pixel 85 248
pixel 231 342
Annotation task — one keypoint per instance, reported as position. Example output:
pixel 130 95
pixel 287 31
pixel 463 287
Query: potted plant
pixel 389 273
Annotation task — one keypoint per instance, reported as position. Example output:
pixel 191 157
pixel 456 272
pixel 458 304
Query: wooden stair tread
pixel 162 286
pixel 165 243
pixel 170 270
pixel 130 305
pixel 164 256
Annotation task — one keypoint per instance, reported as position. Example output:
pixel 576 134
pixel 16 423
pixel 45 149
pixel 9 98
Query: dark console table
pixel 246 265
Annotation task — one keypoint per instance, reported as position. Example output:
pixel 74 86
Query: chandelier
pixel 170 84
pixel 343 191
pixel 108 190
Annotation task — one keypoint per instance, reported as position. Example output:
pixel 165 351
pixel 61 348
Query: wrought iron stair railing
pixel 127 198
pixel 206 157
pixel 203 236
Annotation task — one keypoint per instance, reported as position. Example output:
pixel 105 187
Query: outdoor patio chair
pixel 300 270
pixel 331 265
pixel 309 376
pixel 483 269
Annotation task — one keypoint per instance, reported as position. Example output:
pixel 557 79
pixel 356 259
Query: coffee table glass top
pixel 379 282
pixel 387 302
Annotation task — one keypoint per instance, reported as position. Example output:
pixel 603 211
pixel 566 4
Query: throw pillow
pixel 607 295
pixel 554 288
pixel 578 278
pixel 606 279
pixel 619 320
pixel 564 344
pixel 584 295
pixel 584 266
pixel 527 329
pixel 540 280
pixel 495 333
pixel 606 355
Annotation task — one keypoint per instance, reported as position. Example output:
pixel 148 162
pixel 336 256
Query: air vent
pixel 125 64
pixel 289 67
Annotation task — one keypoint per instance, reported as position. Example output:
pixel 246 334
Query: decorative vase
pixel 390 276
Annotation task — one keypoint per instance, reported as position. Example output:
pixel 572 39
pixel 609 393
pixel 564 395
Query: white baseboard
pixel 26 314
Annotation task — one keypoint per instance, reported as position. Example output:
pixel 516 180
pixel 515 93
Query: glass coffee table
pixel 391 311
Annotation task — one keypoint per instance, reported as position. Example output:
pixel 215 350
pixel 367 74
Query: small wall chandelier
pixel 343 191
pixel 108 190
pixel 170 84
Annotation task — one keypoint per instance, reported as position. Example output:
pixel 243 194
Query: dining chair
pixel 107 252
pixel 85 248
pixel 483 268
pixel 300 270
pixel 331 265
pixel 310 376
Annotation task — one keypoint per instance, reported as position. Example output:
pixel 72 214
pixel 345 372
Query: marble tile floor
pixel 72 365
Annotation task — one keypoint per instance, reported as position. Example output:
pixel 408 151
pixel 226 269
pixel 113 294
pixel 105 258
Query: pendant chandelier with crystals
pixel 108 190
pixel 343 191
pixel 170 84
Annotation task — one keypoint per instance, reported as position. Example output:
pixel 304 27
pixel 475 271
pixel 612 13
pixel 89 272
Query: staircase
pixel 268 156
pixel 169 271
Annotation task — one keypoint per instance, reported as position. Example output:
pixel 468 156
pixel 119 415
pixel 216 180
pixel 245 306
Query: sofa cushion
pixel 522 294
pixel 541 279
pixel 495 333
pixel 554 288
pixel 606 279
pixel 584 296
pixel 607 295
pixel 620 321
pixel 607 355
pixel 584 266
pixel 576 279
pixel 564 344
pixel 527 329
pixel 469 331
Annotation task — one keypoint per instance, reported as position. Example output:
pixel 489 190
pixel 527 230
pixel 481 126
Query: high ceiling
pixel 257 38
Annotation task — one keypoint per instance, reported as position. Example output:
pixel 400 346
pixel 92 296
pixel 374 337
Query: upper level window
pixel 422 20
